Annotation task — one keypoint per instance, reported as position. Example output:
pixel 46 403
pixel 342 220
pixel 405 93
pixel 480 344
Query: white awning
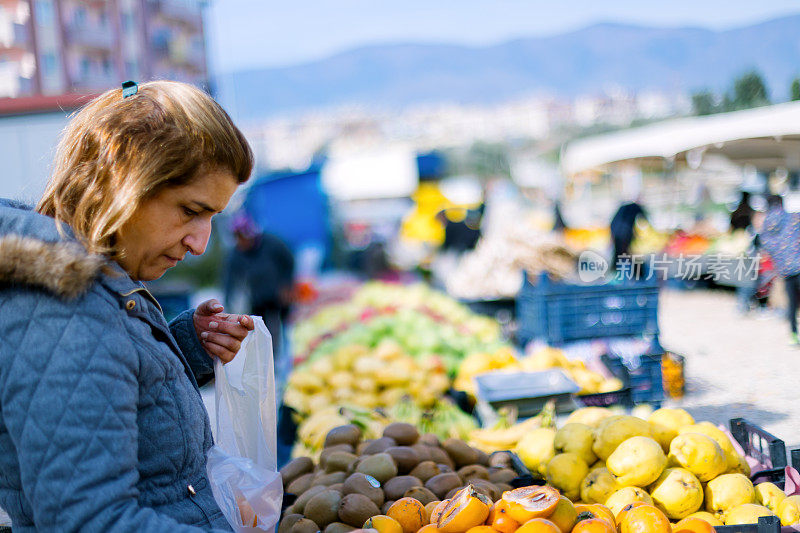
pixel 766 137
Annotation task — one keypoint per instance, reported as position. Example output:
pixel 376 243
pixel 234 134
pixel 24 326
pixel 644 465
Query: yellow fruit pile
pixel 683 468
pixel 545 358
pixel 369 378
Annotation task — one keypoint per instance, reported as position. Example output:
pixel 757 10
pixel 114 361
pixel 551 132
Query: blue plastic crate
pixel 642 374
pixel 560 312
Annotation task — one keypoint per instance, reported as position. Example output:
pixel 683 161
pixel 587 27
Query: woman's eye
pixel 189 212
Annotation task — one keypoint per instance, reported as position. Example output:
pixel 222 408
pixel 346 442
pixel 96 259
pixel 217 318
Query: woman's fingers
pixel 234 329
pixel 226 341
pixel 221 352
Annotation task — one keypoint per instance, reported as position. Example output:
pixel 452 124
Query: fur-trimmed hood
pixel 33 253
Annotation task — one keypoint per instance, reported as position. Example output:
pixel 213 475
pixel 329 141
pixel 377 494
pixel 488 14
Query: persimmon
pixel 594 525
pixel 645 519
pixel 409 513
pixel 526 503
pixel 505 524
pixel 693 525
pixel 383 524
pixel 625 510
pixel 467 508
pixel 437 511
pixel 538 525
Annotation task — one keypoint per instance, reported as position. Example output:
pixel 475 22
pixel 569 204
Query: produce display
pixel 544 358
pixel 424 322
pixel 647 240
pixel 604 473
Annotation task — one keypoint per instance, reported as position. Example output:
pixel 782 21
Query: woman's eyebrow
pixel 205 207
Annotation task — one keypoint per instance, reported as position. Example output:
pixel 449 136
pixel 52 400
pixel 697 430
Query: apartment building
pixel 53 47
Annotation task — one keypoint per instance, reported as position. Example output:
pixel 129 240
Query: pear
pixel 614 430
pixel 727 491
pixel 789 510
pixel 665 423
pixel 626 495
pixel 677 492
pixel 598 485
pixel 746 513
pixel 637 461
pixel 699 454
pixel 535 449
pixel 565 471
pixel 769 495
pixel 709 429
pixel 575 438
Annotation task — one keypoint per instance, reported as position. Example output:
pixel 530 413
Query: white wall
pixel 27 146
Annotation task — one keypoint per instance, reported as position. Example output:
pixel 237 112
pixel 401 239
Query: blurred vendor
pixel 622 229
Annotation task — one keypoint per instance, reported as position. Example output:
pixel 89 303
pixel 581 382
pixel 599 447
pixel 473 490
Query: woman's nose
pixel 197 239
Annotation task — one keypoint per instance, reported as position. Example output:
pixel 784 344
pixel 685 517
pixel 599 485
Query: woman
pixel 102 427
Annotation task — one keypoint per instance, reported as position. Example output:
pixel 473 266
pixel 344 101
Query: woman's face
pixel 174 221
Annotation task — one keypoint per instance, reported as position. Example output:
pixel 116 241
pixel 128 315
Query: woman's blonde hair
pixel 116 152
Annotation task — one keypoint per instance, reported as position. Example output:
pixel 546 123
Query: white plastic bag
pixel 242 466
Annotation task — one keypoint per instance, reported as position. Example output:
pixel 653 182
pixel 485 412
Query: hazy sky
pixel 260 33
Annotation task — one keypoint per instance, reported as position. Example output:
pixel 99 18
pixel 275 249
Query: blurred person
pixel 103 427
pixel 558 218
pixel 622 227
pixel 780 238
pixel 742 216
pixel 261 266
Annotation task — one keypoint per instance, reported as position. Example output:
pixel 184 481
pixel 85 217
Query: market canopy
pixel 766 137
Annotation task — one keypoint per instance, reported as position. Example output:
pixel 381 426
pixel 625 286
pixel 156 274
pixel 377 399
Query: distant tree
pixel 795 91
pixel 749 90
pixel 703 103
pixel 488 160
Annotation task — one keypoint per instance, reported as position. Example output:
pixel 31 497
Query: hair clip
pixel 129 88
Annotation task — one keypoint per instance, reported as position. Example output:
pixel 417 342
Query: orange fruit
pixel 505 524
pixel 526 503
pixel 430 528
pixel 383 524
pixel 409 513
pixel 693 525
pixel 482 529
pixel 467 508
pixel 538 525
pixel 625 510
pixel 564 515
pixel 645 519
pixel 594 525
pixel 437 511
pixel 430 507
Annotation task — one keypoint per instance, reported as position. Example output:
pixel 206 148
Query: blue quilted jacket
pixel 102 427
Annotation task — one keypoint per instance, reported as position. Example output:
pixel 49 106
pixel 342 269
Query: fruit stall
pixel 400 427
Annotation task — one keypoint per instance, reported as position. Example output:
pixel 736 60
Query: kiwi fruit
pixel 327 452
pixel 500 459
pixel 300 503
pixel 404 457
pixel 441 484
pixel 423 451
pixel 486 488
pixel 425 470
pixel 301 484
pixel 330 479
pixel 403 434
pixel 452 493
pixel 362 484
pixel 339 462
pixel 386 505
pixel 355 509
pixel 296 468
pixel 338 527
pixel 323 508
pixel 421 494
pixel 503 487
pixel 473 472
pixel 337 487
pixel 501 475
pixel 376 446
pixel 396 487
pixel 460 452
pixel 380 466
pixel 304 525
pixel 445 469
pixel 440 456
pixel 288 521
pixel 349 434
pixel 483 457
pixel 429 439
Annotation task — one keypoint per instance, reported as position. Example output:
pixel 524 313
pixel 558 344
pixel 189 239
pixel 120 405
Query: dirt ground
pixel 736 366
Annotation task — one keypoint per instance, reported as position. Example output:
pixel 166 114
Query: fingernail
pixel 204 335
pixel 217 307
pixel 213 325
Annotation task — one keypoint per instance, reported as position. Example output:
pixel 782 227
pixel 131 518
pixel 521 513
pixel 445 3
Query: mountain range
pixel 582 62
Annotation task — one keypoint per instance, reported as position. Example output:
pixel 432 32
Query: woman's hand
pixel 221 333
